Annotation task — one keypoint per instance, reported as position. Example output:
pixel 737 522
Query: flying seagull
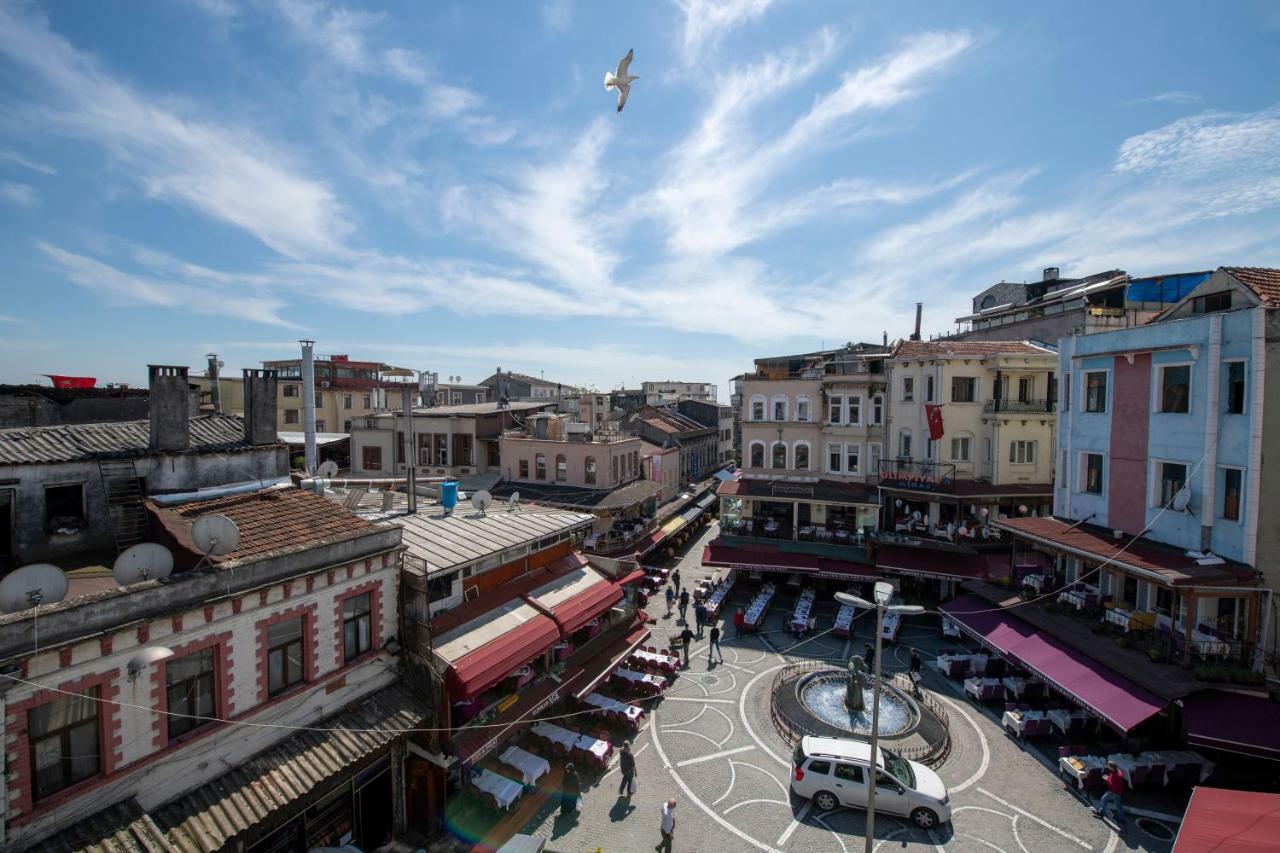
pixel 620 79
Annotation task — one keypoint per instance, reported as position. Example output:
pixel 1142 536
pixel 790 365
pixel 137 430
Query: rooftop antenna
pixel 215 535
pixel 28 588
pixel 481 501
pixel 143 562
pixel 328 469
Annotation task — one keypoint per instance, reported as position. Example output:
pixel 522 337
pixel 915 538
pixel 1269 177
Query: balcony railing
pixel 921 474
pixel 1021 406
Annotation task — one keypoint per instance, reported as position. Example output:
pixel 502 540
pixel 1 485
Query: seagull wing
pixel 625 63
pixel 623 91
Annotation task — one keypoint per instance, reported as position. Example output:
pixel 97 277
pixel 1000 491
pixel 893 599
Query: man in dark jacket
pixel 627 763
pixel 686 637
pixel 571 788
pixel 715 643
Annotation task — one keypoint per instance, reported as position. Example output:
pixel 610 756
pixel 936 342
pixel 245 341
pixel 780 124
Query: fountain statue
pixel 855 691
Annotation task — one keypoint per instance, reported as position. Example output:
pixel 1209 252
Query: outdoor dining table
pixel 1017 720
pixel 976 687
pixel 1207 644
pixel 1068 720
pixel 1074 597
pixel 503 790
pixel 612 706
pixel 1173 758
pixel 1117 616
pixel 643 679
pixel 1014 685
pixel 823 535
pixel 667 663
pixel 1078 767
pixel 598 750
pixel 531 767
pixel 1036 582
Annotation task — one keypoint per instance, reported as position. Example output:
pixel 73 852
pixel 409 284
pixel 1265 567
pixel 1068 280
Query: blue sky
pixel 447 186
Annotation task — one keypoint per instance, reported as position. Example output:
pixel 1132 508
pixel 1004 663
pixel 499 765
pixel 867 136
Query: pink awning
pixel 1104 691
pixel 1222 820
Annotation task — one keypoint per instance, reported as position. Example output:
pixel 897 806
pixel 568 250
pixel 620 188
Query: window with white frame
pixel 779 408
pixel 1022 452
pixel 962 447
pixel 1095 391
pixel 1169 478
pixel 877 410
pixel 986 450
pixel 1232 491
pixel 802 409
pixel 757 408
pixel 1233 387
pixel 778 456
pixel 833 459
pixel 1174 388
pixel 964 389
pixel 802 456
pixel 908 389
pixel 930 448
pixel 855 411
pixel 904 443
pixel 1091 473
pixel 1026 389
pixel 835 409
pixel 873 457
pixel 928 388
pixel 853 458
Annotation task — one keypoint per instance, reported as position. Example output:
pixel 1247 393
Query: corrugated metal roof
pixel 206 819
pixel 121 828
pixel 465 537
pixel 74 442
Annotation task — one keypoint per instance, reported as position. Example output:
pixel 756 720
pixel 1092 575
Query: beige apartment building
pixel 555 449
pixel 990 450
pixel 813 433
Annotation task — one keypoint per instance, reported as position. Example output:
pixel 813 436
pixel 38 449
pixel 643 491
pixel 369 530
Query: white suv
pixel 834 772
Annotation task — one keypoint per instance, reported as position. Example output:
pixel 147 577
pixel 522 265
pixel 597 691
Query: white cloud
pixel 23 195
pixel 1174 97
pixel 26 163
pixel 338 32
pixel 227 174
pixel 706 22
pixel 119 287
pixel 557 15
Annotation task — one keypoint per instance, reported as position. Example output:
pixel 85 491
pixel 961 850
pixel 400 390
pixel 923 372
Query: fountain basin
pixel 822 694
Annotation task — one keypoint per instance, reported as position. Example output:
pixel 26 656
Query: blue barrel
pixel 449 494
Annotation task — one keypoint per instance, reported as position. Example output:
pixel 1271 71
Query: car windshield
pixel 899 769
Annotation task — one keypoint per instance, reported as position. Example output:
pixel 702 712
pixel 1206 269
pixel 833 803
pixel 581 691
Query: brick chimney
pixel 260 406
pixel 170 407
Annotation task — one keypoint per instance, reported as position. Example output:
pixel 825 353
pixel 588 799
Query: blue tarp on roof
pixel 1164 288
pixel 722 474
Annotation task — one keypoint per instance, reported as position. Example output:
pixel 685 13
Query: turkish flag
pixel 934 416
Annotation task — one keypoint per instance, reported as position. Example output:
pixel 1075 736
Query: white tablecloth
pixel 1118 616
pixel 1062 717
pixel 613 706
pixel 1017 720
pixel 504 790
pixel 571 740
pixel 656 659
pixel 1036 582
pixel 641 678
pixel 531 767
pixel 1078 766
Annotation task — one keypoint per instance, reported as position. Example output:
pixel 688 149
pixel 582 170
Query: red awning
pixel 632 577
pixel 1234 722
pixel 576 598
pixel 1104 691
pixel 951 565
pixel 485 650
pixel 1221 820
pixel 760 558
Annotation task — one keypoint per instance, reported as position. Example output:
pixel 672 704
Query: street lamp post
pixel 881 605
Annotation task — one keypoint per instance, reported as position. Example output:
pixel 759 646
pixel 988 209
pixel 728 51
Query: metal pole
pixel 875 737
pixel 410 449
pixel 309 403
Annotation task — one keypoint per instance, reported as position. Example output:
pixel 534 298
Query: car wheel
pixel 825 801
pixel 924 818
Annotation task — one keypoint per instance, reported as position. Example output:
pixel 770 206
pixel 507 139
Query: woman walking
pixel 571 787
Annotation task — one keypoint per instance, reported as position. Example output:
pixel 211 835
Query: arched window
pixel 756 412
pixel 589 471
pixel 562 468
pixel 778 455
pixel 635 463
pixel 540 466
pixel 614 466
pixel 779 410
pixel 804 408
pixel 802 456
pixel 757 454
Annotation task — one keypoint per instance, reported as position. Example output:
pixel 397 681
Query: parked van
pixel 834 772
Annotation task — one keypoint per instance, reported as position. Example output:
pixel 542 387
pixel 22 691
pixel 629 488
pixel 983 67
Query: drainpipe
pixel 411 470
pixel 1209 474
pixel 1065 378
pixel 1256 401
pixel 309 402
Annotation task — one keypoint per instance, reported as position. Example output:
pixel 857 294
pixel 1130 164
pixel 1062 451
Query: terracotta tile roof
pixel 1263 281
pixel 967 349
pixel 272 521
pixel 1173 565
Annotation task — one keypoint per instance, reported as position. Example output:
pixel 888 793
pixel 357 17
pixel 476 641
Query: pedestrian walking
pixel 869 655
pixel 700 617
pixel 684 606
pixel 1114 777
pixel 571 788
pixel 686 637
pixel 671 599
pixel 915 662
pixel 668 826
pixel 739 619
pixel 715 643
pixel 675 579
pixel 627 763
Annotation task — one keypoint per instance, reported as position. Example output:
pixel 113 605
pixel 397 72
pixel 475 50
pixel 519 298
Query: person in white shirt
pixel 668 826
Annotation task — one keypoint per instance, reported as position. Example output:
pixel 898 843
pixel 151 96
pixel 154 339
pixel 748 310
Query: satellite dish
pixel 513 502
pixel 31 586
pixel 142 562
pixel 215 535
pixel 1182 499
pixel 328 469
pixel 984 512
pixel 481 500
pixel 145 657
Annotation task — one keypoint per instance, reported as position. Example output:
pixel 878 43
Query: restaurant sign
pixel 493 742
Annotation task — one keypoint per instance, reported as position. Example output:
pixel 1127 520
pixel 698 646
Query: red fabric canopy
pixel 926 561
pixel 579 611
pixel 1104 691
pixel 480 669
pixel 1234 722
pixel 1229 821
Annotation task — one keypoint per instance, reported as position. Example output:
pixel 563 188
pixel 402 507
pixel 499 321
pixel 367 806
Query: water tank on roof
pixel 449 494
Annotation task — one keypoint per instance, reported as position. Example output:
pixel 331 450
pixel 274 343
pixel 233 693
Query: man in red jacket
pixel 1114 777
pixel 739 619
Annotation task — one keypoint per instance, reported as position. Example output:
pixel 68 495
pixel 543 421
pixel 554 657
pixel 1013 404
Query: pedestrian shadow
pixel 621 809
pixel 563 824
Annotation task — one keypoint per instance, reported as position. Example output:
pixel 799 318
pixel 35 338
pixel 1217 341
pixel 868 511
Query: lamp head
pixel 884 592
pixel 855 601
